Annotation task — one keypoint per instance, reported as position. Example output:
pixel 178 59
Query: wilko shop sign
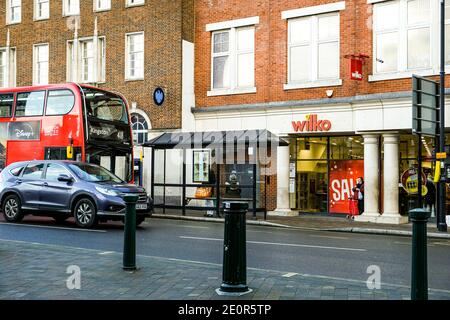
pixel 311 124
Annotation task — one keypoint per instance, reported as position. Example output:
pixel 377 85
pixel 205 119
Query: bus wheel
pixel 85 213
pixel 12 209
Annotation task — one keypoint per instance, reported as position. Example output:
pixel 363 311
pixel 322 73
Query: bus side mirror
pixel 65 178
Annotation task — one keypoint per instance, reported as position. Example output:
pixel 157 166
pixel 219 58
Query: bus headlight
pixel 106 191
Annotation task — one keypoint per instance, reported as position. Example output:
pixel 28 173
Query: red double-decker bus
pixel 66 121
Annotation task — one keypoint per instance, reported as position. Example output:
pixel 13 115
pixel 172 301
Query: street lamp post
pixel 441 224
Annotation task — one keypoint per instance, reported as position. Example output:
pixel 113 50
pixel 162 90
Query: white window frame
pixel 100 60
pixel 233 66
pixel 66 7
pixel 402 60
pixel 84 59
pixel 134 3
pixel 314 43
pixel 9 9
pixel 142 131
pixel 127 69
pixel 447 23
pixel 97 8
pixel 232 27
pixel 3 67
pixel 11 65
pixel 314 13
pixel 36 10
pixel 36 62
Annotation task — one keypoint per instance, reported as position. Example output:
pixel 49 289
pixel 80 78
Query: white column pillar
pixel 371 179
pixel 391 181
pixel 283 207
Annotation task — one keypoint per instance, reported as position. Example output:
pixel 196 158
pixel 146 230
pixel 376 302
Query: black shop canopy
pixel 215 139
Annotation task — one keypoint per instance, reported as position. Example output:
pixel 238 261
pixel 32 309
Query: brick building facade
pixel 165 24
pixel 271 56
pixel 283 66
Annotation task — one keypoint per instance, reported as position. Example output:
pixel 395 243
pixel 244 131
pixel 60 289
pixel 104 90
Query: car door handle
pixel 18 181
pixel 45 184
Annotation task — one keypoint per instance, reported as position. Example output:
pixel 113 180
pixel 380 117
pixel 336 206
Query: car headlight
pixel 106 191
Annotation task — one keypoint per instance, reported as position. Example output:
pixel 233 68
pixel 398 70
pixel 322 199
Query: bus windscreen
pixel 103 105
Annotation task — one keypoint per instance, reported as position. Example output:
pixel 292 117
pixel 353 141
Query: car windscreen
pixel 93 173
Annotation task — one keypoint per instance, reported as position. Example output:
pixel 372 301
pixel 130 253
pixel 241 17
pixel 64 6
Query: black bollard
pixel 129 243
pixel 234 279
pixel 419 269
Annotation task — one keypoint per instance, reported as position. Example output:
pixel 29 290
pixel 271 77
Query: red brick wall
pixel 271 50
pixel 162 23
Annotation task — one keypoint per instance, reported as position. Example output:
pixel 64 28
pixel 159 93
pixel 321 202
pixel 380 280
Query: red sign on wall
pixel 343 175
pixel 356 65
pixel 356 69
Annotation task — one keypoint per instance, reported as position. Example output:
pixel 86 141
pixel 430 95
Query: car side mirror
pixel 65 178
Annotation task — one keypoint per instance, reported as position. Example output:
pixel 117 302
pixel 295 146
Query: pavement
pixel 317 223
pixel 40 271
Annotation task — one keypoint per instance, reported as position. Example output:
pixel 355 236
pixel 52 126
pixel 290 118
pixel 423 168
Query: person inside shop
pixel 358 193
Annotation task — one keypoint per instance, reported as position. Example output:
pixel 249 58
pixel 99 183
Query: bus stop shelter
pixel 200 170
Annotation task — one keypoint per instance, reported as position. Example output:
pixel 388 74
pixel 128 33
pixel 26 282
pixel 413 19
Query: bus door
pixel 138 173
pixel 115 161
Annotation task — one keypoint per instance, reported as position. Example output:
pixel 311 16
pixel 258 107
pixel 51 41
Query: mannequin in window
pixel 232 186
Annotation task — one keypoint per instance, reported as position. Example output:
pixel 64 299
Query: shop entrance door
pixel 311 186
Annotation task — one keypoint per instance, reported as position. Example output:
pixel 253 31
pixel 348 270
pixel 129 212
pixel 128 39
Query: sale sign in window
pixel 342 179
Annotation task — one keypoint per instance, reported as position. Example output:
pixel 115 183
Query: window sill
pixel 134 5
pixel 134 79
pixel 71 14
pixel 227 92
pixel 313 84
pixel 12 23
pixel 102 10
pixel 92 83
pixel 401 75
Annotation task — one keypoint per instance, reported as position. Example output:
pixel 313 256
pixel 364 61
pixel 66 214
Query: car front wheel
pixel 85 213
pixel 139 220
pixel 12 209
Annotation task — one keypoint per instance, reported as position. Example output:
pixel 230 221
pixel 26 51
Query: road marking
pixel 442 243
pixel 193 227
pixel 183 226
pixel 106 252
pixel 409 243
pixel 328 237
pixel 267 232
pixel 404 243
pixel 280 244
pixel 290 274
pixel 49 227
